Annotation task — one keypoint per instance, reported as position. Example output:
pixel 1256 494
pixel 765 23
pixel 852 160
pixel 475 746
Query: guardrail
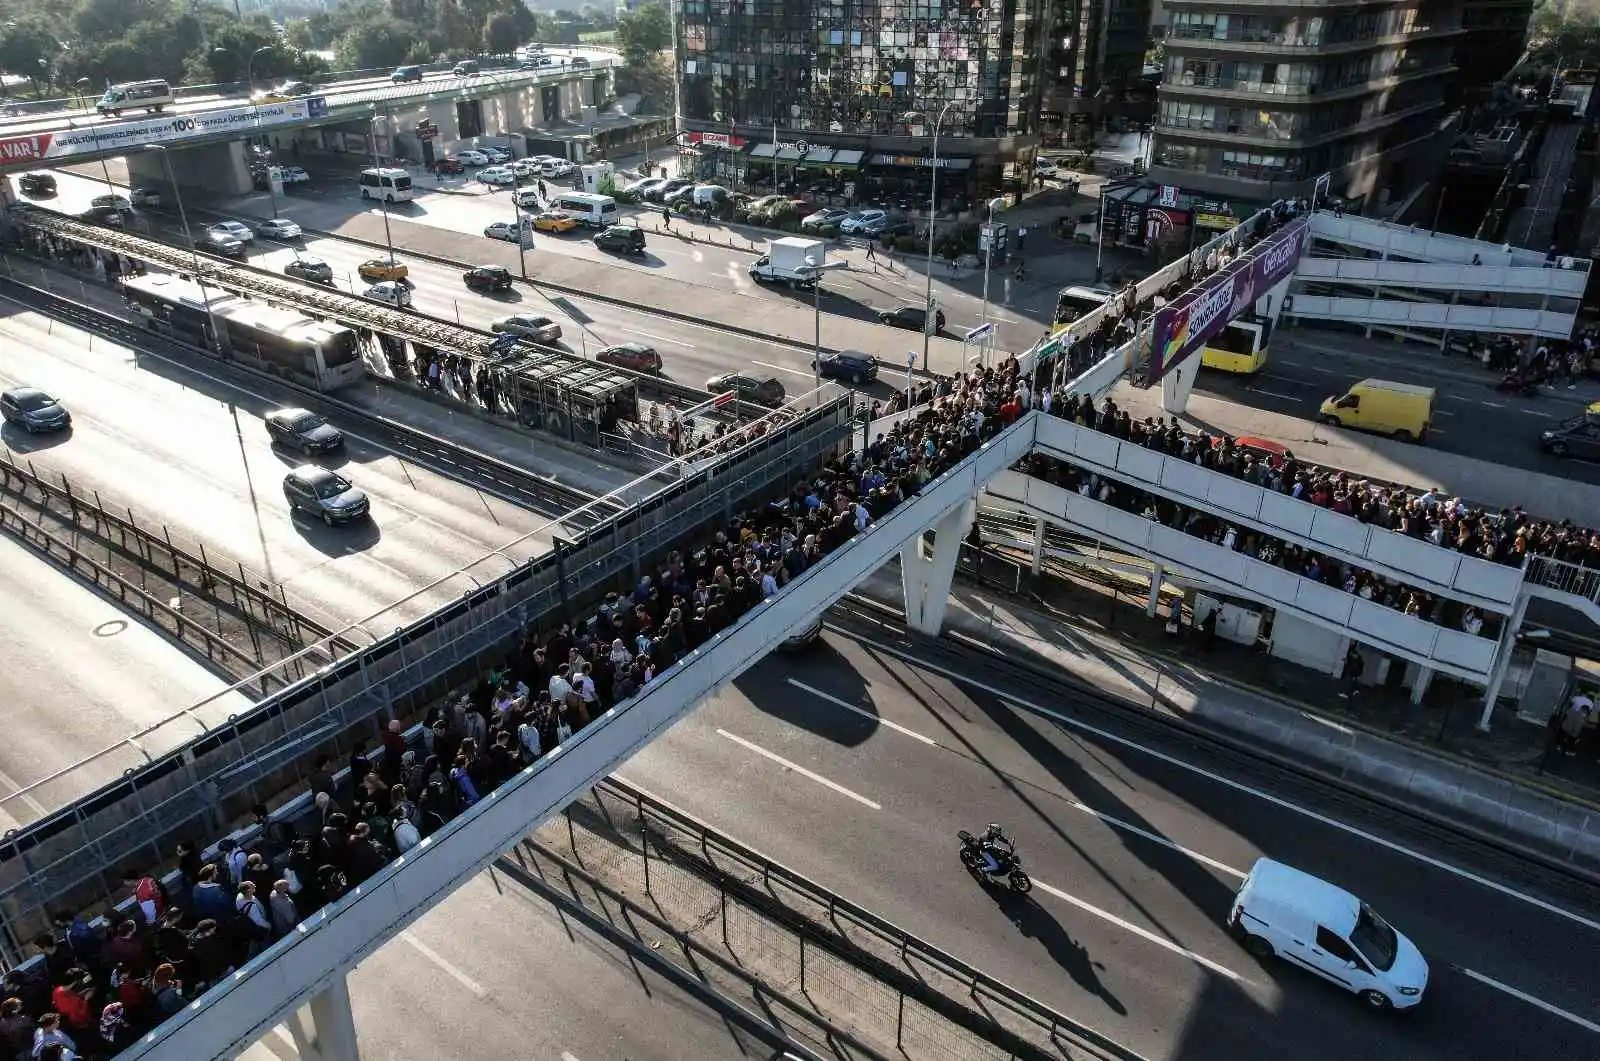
pixel 1563 576
pixel 914 969
pixel 540 493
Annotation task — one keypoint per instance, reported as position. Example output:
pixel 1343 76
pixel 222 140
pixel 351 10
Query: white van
pixel 708 194
pixel 1321 927
pixel 595 211
pixel 387 183
pixel 151 95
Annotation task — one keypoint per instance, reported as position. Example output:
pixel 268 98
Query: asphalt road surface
pixel 856 767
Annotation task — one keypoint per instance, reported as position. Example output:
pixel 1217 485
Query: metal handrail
pixel 1563 576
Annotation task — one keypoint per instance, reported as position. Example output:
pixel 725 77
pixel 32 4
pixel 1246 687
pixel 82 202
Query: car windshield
pixel 330 487
pixel 32 403
pixel 1376 941
pixel 306 422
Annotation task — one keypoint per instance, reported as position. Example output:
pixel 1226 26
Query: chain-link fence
pixel 852 969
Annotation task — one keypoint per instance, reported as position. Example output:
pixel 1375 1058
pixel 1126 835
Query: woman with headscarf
pixel 114 1030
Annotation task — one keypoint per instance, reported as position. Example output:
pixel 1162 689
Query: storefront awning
pixel 762 151
pixel 848 158
pixel 788 153
pixel 818 156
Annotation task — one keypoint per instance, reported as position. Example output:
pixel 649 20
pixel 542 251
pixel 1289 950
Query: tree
pixel 28 48
pixel 643 33
pixel 1572 39
pixel 456 32
pixel 375 41
pixel 501 35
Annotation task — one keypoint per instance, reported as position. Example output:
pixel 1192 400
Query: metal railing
pixel 1563 576
pixel 76 854
pixel 923 993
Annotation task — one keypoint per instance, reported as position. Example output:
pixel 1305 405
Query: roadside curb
pixel 1521 842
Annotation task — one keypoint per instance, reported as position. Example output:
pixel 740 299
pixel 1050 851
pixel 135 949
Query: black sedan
pixel 314 269
pixel 487 278
pixel 851 366
pixel 38 185
pixel 223 246
pixel 913 317
pixel 303 430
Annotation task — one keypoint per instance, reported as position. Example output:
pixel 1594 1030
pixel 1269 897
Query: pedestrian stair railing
pixel 1565 578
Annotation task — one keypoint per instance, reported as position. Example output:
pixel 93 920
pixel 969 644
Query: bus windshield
pixel 1235 339
pixel 1074 302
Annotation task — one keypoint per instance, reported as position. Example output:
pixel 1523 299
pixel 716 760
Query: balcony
pixel 1216 88
pixel 1282 44
pixel 1258 135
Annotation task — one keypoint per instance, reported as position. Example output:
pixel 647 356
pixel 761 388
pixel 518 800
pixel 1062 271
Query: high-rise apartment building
pixel 1260 97
pixel 849 91
pixel 1094 55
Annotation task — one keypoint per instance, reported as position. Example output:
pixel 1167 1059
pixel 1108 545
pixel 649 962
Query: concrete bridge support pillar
pixel 926 574
pixel 325 1029
pixel 1177 385
pixel 1502 659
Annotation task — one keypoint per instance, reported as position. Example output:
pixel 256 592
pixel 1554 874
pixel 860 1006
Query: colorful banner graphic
pixel 123 137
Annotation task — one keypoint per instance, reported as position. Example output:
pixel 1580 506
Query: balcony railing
pixel 1565 576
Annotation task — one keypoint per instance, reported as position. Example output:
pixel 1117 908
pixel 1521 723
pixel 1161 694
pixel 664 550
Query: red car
pixel 449 166
pixel 637 356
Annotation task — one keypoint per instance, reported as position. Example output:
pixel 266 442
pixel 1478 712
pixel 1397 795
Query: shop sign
pixel 912 160
pixel 1214 213
pixel 1168 196
pixel 717 139
pixel 1160 222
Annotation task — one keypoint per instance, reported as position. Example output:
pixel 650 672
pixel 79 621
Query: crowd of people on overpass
pixel 102 982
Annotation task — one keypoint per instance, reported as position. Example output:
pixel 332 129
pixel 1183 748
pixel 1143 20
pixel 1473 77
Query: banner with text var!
pixel 130 136
pixel 1183 327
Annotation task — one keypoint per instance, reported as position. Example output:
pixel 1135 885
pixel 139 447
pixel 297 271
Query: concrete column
pixel 1502 659
pixel 325 1029
pixel 925 579
pixel 1038 544
pixel 1177 385
pixel 1419 684
pixel 1152 607
pixel 1270 305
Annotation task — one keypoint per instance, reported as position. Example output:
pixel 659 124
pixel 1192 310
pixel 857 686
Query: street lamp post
pixel 183 221
pixel 997 203
pixel 81 85
pixel 929 316
pixel 249 63
pixel 383 204
pixel 815 273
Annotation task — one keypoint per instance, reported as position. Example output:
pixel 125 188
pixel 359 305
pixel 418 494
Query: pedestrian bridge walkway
pixel 1404 314
pixel 1407 243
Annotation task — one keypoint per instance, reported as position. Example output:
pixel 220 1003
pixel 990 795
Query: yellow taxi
pixel 377 270
pixel 285 92
pixel 553 222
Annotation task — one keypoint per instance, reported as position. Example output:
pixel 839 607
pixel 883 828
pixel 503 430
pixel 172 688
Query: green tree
pixel 456 32
pixel 501 34
pixel 28 48
pixel 109 20
pixel 375 41
pixel 1572 40
pixel 643 33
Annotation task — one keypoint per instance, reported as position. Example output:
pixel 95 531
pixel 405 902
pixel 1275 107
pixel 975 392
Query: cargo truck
pixel 790 260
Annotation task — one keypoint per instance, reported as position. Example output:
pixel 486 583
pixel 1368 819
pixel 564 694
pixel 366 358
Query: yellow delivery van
pixel 1403 410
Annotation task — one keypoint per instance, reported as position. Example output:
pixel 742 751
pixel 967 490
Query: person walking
pixel 1353 666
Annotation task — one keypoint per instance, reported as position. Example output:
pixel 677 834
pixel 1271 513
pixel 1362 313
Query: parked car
pixel 469 157
pixel 621 239
pixel 679 196
pixel 324 494
pixel 303 430
pixel 222 245
pixel 661 193
pixel 556 168
pixel 314 269
pixel 497 155
pixel 850 365
pixel 236 229
pixel 402 74
pixel 549 221
pixel 450 166
pixel 498 176
pixel 278 228
pixel 293 175
pixel 390 293
pixel 887 226
pixel 768 392
pixel 528 326
pixel 647 188
pixel 507 231
pixel 38 185
pixel 637 356
pixel 1578 436
pixel 487 278
pixel 913 317
pixel 859 221
pixel 526 169
pixel 826 218
pixel 375 269
pixel 33 410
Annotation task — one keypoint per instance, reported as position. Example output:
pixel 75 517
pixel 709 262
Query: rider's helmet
pixel 994 830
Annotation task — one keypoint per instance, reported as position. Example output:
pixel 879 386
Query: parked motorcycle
pixel 1010 871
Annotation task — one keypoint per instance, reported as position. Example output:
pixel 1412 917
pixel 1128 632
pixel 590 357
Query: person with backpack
pixel 147 893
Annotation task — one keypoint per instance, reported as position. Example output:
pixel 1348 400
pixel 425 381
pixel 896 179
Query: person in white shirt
pixel 559 687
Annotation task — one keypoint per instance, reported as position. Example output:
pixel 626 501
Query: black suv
pixel 487 278
pixel 621 239
pixel 768 392
pixel 850 365
pixel 42 185
pixel 405 73
pixel 1577 437
pixel 913 317
pixel 314 269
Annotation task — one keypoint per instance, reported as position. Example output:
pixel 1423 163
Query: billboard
pixel 1183 327
pixel 129 136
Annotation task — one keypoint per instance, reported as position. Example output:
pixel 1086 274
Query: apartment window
pixel 1183 156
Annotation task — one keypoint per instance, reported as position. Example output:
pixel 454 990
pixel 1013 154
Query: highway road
pixel 184 449
pixel 82 674
pixel 494 973
pixel 857 765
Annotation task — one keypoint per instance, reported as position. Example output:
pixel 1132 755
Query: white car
pixel 278 228
pixel 507 231
pixel 471 158
pixel 236 229
pixel 293 175
pixel 390 293
pixel 862 220
pixel 1046 167
pixel 525 167
pixel 496 154
pixel 497 175
pixel 556 167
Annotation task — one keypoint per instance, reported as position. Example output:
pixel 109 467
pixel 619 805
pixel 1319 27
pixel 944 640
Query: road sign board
pixel 317 107
pixel 725 398
pixel 979 332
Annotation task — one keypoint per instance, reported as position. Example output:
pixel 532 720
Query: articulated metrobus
pixel 283 342
pixel 1240 348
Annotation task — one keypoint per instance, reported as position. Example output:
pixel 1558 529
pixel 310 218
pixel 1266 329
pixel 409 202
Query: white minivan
pixel 594 211
pixel 1321 927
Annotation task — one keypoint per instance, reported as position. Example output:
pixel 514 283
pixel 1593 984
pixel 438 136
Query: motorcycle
pixel 1010 871
pixel 1519 382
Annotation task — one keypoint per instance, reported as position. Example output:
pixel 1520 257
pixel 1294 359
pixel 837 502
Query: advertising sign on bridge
pixel 1182 328
pixel 129 136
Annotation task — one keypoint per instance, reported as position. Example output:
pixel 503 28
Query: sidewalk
pixel 1503 784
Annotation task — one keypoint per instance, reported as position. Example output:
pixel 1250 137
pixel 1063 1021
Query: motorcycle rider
pixel 996 848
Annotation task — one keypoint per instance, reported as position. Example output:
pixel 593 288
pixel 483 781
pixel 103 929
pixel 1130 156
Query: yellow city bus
pixel 1240 348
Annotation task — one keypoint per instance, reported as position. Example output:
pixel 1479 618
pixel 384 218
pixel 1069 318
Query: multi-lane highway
pixel 858 764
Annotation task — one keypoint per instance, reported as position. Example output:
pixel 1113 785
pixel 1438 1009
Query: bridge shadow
pixel 781 686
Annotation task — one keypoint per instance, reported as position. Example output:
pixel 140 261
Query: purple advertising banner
pixel 1183 327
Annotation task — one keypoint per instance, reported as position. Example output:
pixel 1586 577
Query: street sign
pixel 725 398
pixel 317 107
pixel 1169 195
pixel 979 332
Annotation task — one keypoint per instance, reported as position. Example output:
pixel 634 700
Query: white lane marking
pixel 1116 823
pixel 1239 786
pixel 1142 933
pixel 834 700
pixel 797 768
pixel 1537 1003
pixel 1273 394
pixel 566 1056
pixel 1492 405
pixel 635 333
pixel 1442 412
pixel 444 965
pixel 784 368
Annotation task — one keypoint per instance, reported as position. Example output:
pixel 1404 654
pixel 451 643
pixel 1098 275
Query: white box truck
pixel 790 260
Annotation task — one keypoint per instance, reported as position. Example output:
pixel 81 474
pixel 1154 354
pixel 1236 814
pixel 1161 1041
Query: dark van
pixel 621 239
